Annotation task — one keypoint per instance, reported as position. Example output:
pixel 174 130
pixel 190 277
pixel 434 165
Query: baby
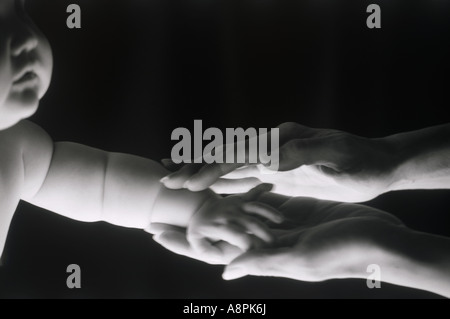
pixel 91 185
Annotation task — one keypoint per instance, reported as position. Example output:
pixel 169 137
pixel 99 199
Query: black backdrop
pixel 136 70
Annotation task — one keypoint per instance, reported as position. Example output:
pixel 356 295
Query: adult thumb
pixel 261 262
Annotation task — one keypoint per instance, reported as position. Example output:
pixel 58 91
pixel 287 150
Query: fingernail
pixel 156 237
pixel 231 273
pixel 187 184
pixel 280 219
pixel 164 179
pixel 272 239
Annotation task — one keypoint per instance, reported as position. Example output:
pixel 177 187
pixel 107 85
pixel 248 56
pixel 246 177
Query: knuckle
pixel 344 141
pixel 250 204
pixel 246 242
pixel 226 225
pixel 294 146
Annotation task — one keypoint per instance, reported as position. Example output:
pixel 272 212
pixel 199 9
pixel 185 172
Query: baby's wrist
pixel 205 206
pixel 176 207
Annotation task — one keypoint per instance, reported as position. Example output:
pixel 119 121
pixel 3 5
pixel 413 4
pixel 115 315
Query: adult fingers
pixel 170 165
pixel 263 210
pixel 209 174
pixel 257 228
pixel 177 179
pixel 234 186
pixel 251 170
pixel 256 192
pixel 262 262
pixel 197 178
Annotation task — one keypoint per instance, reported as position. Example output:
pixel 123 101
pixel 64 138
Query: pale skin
pixel 322 240
pixel 335 165
pixel 91 185
pixel 326 240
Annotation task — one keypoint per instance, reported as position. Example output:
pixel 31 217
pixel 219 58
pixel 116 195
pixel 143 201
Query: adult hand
pixel 326 240
pixel 319 240
pixel 320 163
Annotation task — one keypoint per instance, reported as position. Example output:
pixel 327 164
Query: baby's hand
pixel 235 220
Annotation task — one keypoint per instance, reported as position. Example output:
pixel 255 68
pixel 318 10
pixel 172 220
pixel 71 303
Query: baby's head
pixel 25 64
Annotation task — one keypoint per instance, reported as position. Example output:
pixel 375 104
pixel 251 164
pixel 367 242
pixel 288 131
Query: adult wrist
pixel 387 162
pixel 401 151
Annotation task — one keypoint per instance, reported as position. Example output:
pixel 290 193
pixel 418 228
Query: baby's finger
pixel 203 246
pixel 228 252
pixel 174 241
pixel 234 186
pixel 256 192
pixel 257 228
pixel 235 235
pixel 263 210
pixel 178 179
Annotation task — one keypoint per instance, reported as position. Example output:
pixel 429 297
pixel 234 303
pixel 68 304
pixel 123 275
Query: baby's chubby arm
pixel 88 184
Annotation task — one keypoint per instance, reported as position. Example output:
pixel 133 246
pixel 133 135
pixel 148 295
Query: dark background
pixel 139 69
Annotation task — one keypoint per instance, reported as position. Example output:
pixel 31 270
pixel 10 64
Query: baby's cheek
pixel 45 57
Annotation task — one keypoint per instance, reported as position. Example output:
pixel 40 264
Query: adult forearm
pixel 411 259
pixel 422 157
